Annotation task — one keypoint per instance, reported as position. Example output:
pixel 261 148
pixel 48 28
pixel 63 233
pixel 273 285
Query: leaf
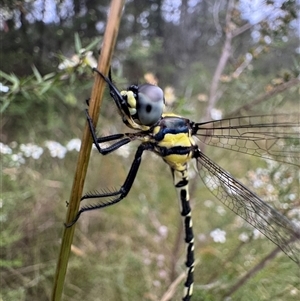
pixel 5 104
pixel 26 95
pixel 37 74
pixel 78 45
pixel 49 75
pixel 11 78
pixel 46 87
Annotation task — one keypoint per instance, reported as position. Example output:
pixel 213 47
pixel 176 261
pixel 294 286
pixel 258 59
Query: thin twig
pixel 86 146
pixel 214 94
pixel 172 288
pixel 252 272
pixel 261 98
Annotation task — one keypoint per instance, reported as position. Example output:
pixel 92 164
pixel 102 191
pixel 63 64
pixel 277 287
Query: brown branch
pixel 214 95
pixel 213 92
pixel 261 98
pixel 86 145
pixel 253 271
pixel 169 294
pixel 241 29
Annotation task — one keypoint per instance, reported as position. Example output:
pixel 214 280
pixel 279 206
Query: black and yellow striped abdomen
pixel 174 143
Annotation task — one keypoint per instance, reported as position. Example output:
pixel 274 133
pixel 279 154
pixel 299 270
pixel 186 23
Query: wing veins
pixel 237 197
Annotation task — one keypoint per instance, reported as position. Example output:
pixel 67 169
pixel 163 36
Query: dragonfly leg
pixel 115 196
pixel 98 140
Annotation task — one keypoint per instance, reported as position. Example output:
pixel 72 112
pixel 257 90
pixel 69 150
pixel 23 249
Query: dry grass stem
pixel 86 145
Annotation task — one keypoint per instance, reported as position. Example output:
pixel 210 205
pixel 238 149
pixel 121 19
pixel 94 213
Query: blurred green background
pixel 213 59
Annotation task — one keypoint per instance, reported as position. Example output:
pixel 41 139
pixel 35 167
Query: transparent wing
pixel 274 137
pixel 250 207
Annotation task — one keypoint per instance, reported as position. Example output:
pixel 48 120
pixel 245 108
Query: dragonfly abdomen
pixel 181 184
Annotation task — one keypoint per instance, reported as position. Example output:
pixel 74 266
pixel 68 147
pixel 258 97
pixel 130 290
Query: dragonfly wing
pixel 274 137
pixel 250 207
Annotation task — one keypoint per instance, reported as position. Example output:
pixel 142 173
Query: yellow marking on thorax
pixel 170 115
pixel 180 139
pixel 156 130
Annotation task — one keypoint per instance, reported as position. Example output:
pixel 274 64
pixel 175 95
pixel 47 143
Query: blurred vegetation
pixel 130 251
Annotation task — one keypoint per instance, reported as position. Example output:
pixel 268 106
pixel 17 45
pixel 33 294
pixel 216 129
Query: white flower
pixel 221 211
pixel 163 231
pixel 31 150
pixel 74 144
pixel 291 196
pixel 18 158
pixel 208 203
pixel 5 149
pixel 69 63
pixel 257 234
pixel 218 235
pixel 244 237
pixel 90 60
pixel 3 88
pixel 160 260
pixel 201 237
pixel 56 149
pixel 162 274
pixel 216 114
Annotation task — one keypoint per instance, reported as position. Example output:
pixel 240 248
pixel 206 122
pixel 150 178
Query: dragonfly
pixel 174 139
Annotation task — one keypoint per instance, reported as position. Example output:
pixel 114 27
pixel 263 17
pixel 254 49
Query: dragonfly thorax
pixel 175 144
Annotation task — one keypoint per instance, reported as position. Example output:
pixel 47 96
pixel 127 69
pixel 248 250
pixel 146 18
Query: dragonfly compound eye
pixel 150 104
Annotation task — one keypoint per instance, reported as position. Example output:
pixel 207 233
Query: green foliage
pixel 49 95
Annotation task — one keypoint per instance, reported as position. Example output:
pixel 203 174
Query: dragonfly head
pixel 145 104
pixel 140 106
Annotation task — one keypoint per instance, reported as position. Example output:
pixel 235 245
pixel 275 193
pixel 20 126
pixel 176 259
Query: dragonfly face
pixel 145 104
